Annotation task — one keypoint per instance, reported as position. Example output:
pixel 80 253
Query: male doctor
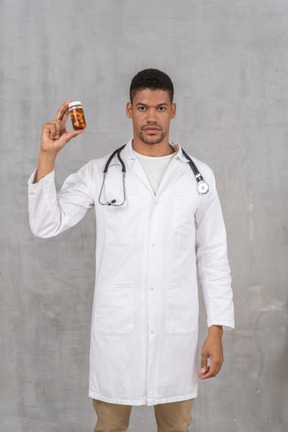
pixel 152 229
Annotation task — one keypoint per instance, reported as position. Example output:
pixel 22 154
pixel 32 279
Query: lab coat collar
pixel 128 153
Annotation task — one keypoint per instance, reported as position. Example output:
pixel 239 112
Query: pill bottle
pixel 77 115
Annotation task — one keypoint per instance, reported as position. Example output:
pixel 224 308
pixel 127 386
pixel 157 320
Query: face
pixel 151 112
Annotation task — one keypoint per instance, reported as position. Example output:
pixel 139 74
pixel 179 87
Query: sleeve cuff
pixel 31 181
pixel 227 325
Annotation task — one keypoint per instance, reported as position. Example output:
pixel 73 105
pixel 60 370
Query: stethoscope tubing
pixel 117 151
pixel 202 186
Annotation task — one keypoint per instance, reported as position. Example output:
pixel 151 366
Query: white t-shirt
pixel 155 167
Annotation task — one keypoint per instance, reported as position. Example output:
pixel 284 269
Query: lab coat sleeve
pixel 212 260
pixel 51 213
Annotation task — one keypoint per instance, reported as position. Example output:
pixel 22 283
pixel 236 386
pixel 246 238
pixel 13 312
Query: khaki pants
pixel 170 417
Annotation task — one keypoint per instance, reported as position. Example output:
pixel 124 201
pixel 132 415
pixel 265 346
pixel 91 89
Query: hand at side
pixel 212 349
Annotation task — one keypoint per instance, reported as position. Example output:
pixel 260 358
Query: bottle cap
pixel 72 104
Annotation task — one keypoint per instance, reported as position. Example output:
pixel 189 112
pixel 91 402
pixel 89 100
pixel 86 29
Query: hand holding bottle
pixel 53 139
pixel 54 134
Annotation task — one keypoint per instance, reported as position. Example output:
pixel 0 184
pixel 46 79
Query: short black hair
pixel 151 79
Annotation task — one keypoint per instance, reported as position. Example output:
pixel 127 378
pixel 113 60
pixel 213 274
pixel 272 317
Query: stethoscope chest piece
pixel 202 187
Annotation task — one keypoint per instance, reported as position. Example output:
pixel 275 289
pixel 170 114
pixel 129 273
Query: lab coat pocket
pixel 113 309
pixel 182 308
pixel 183 217
pixel 124 224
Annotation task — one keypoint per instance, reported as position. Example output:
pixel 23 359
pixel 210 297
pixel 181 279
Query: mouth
pixel 151 129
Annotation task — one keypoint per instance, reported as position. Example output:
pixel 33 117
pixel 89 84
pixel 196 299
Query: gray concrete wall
pixel 229 62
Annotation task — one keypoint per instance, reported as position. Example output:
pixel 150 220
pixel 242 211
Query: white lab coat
pixel 144 334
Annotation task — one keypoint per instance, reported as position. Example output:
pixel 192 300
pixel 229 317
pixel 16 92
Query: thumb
pixel 66 137
pixel 73 134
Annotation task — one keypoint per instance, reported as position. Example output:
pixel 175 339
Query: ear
pixel 173 110
pixel 129 109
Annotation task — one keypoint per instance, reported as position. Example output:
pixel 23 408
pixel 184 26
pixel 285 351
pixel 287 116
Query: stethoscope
pixel 201 186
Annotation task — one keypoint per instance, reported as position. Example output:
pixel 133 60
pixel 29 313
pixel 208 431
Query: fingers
pixel 204 373
pixel 212 349
pixel 54 129
pixel 63 111
pixel 54 139
pixel 204 365
pixel 65 116
pixel 204 361
pixel 212 370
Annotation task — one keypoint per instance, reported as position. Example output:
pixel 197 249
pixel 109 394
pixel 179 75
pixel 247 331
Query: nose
pixel 151 116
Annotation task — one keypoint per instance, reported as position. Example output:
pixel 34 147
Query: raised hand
pixel 53 139
pixel 54 134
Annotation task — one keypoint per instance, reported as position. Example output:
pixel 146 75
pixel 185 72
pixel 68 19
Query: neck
pixel 154 150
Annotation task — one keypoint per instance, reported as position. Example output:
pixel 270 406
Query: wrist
pixel 46 163
pixel 216 330
pixel 47 159
pixel 48 154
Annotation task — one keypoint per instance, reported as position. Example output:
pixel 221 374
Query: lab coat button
pixel 153 245
pixel 151 289
pixel 152 331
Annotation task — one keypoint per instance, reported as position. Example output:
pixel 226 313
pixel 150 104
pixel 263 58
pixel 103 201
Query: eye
pixel 161 108
pixel 141 108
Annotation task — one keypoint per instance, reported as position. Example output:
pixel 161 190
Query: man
pixel 152 227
